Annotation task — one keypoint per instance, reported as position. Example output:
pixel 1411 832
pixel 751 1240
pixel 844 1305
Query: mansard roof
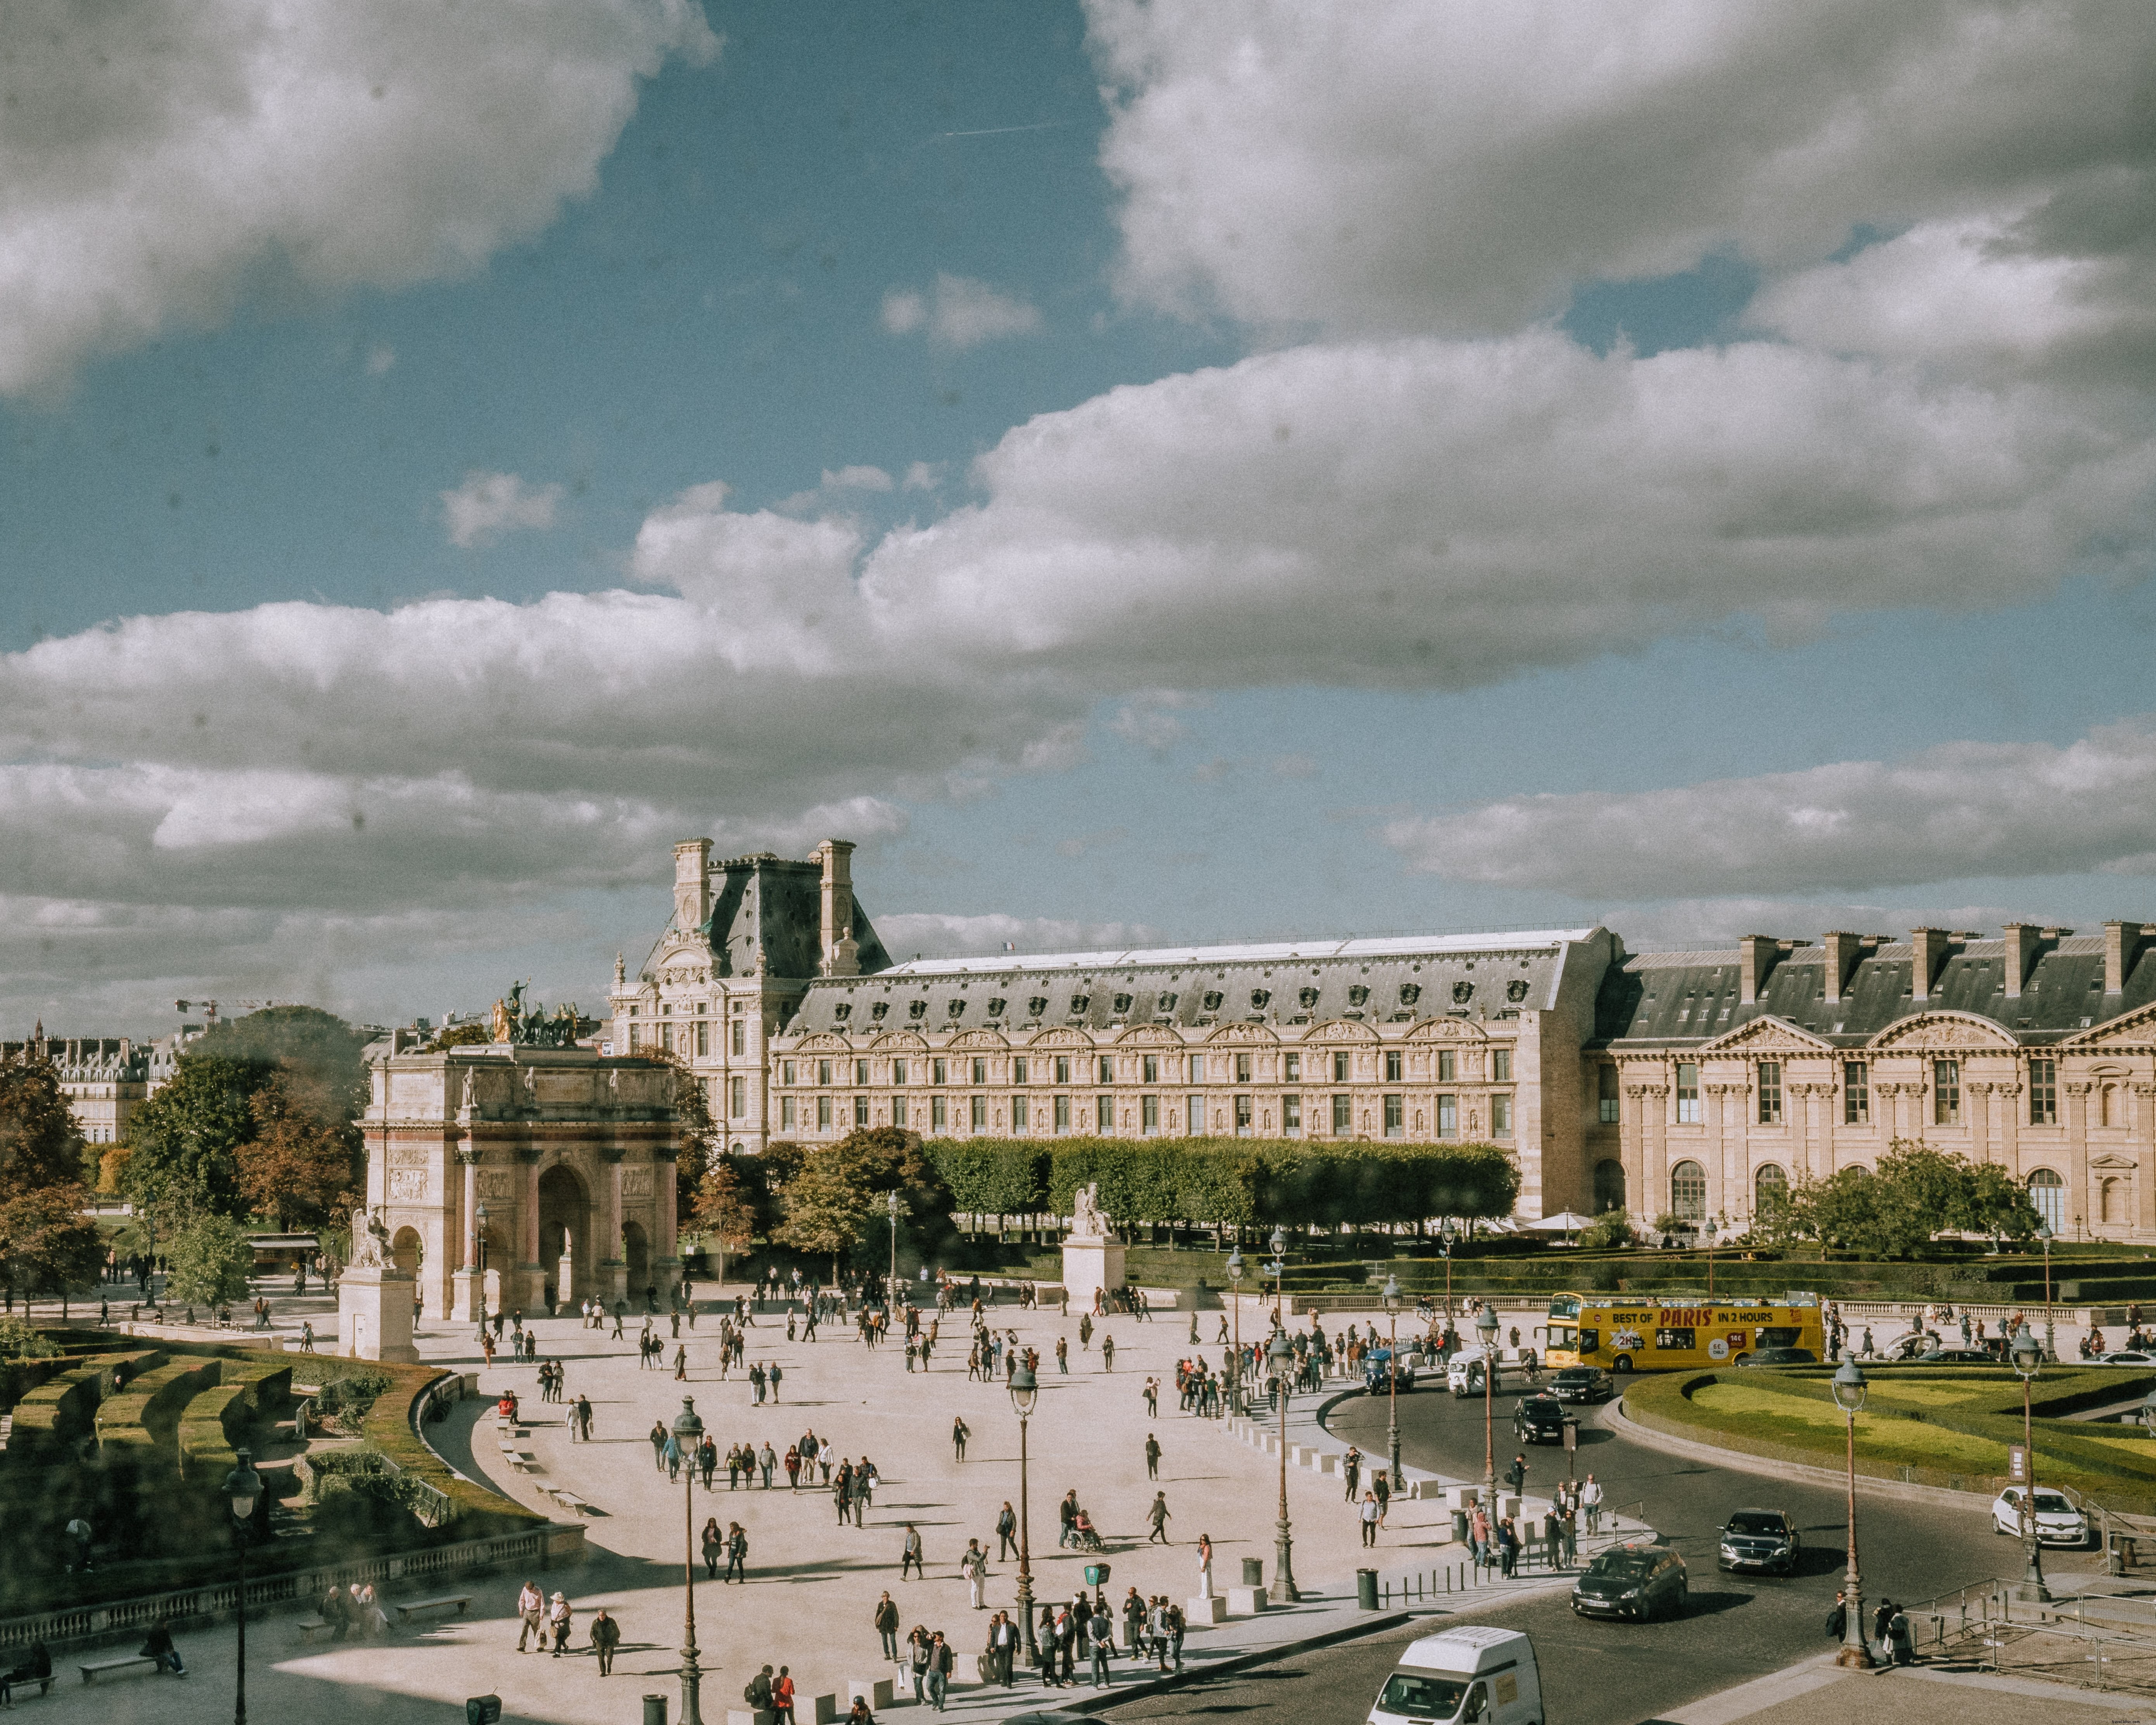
pixel 772 905
pixel 1405 979
pixel 1689 998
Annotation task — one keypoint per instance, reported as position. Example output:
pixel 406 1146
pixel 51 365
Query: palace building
pixel 1681 1083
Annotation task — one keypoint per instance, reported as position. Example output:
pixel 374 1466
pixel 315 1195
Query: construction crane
pixel 209 1007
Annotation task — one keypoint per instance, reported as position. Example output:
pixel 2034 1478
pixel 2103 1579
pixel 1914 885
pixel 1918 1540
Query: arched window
pixel 1608 1186
pixel 1688 1191
pixel 2048 1192
pixel 1769 1186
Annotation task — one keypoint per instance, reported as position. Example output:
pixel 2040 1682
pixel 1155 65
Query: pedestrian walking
pixel 769 1463
pixel 737 1554
pixel 530 1605
pixel 974 1566
pixel 909 1557
pixel 1108 1353
pixel 940 1661
pixel 606 1636
pixel 1153 1456
pixel 886 1625
pixel 560 1619
pixel 714 1543
pixel 1157 1519
pixel 1590 1500
pixel 959 1434
pixel 658 1436
pixel 1350 1468
pixel 1369 1513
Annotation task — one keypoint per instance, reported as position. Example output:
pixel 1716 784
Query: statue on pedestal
pixel 1087 1220
pixel 370 1242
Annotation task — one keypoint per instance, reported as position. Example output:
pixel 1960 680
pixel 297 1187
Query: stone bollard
pixel 826 1709
pixel 750 1716
pixel 876 1692
pixel 1210 1609
pixel 1246 1601
pixel 965 1667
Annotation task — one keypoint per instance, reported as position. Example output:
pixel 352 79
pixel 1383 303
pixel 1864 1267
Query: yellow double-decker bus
pixel 1671 1334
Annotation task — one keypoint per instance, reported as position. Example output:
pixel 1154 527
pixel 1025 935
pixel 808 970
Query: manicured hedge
pixel 1246 1182
pixel 145 1415
pixel 65 1408
pixel 214 1425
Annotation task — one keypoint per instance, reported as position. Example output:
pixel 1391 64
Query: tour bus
pixel 1672 1334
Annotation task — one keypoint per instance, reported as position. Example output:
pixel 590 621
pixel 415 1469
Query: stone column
pixel 610 1270
pixel 2080 1186
pixel 666 1219
pixel 2144 1147
pixel 531 1278
pixel 468 1293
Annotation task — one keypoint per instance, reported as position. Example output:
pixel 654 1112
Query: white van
pixel 1472 1674
pixel 1463 1372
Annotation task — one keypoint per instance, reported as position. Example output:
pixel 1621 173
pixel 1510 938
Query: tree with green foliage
pixel 47 1244
pixel 699 1136
pixel 1610 1232
pixel 724 1211
pixel 825 1206
pixel 1915 1194
pixel 50 1247
pixel 184 1143
pixel 318 1051
pixel 211 1261
pixel 299 1168
pixel 18 1340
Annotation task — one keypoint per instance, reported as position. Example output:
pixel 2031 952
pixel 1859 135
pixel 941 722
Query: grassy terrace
pixel 1937 1426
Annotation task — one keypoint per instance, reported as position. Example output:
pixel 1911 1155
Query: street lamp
pixel 890 1287
pixel 1449 1235
pixel 244 1486
pixel 1486 1324
pixel 2149 1412
pixel 1849 1390
pixel 479 1304
pixel 2028 1361
pixel 687 1430
pixel 1710 1260
pixel 2050 1336
pixel 1279 1353
pixel 1278 1270
pixel 1235 1366
pixel 1392 1299
pixel 1024 1393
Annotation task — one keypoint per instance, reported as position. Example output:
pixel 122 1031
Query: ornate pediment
pixel 2112 1160
pixel 898 1041
pixel 1950 1032
pixel 1448 1031
pixel 1149 1035
pixel 1340 1030
pixel 822 1042
pixel 1245 1033
pixel 979 1039
pixel 1060 1036
pixel 2130 1031
pixel 1767 1035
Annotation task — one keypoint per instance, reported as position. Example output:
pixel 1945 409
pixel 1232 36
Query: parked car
pixel 1463 1372
pixel 1636 1580
pixel 1583 1383
pixel 1760 1539
pixel 1780 1357
pixel 1958 1356
pixel 2124 1356
pixel 1538 1419
pixel 1375 1373
pixel 2058 1521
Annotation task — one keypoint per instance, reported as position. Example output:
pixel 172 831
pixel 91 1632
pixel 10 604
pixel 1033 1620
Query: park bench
pixel 126 1665
pixel 309 1627
pixel 405 1608
pixel 568 1500
pixel 523 1461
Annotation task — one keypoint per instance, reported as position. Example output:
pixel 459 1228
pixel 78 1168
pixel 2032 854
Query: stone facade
pixel 570 1155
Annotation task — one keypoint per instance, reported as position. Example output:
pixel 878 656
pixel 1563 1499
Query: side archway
pixel 1608 1186
pixel 565 1234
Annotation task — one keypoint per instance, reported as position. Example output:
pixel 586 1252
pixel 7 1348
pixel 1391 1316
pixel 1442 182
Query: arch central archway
pixel 566 1253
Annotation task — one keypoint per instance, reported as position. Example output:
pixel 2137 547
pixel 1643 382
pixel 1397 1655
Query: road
pixel 1606 1673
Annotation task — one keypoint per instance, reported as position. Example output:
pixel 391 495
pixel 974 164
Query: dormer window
pixel 1260 998
pixel 1122 1004
pixel 1308 997
pixel 1410 993
pixel 1165 1003
pixel 1359 995
pixel 1036 1005
pixel 879 1009
pixel 1212 1000
pixel 1517 990
pixel 1462 993
pixel 996 1007
pixel 957 1008
pixel 1079 1003
pixel 917 1009
pixel 843 1011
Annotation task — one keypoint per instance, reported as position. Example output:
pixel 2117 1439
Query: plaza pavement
pixel 813 1584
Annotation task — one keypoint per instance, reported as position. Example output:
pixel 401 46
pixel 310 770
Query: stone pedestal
pixel 467 1296
pixel 1092 1263
pixel 1246 1601
pixel 374 1316
pixel 1205 1607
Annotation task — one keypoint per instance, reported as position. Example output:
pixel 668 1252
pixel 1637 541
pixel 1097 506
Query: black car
pixel 1957 1356
pixel 1780 1357
pixel 1760 1539
pixel 1538 1419
pixel 1375 1375
pixel 1583 1383
pixel 1633 1580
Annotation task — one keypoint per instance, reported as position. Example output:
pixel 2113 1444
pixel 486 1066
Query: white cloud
pixel 487 505
pixel 1960 810
pixel 380 358
pixel 924 476
pixel 1444 166
pixel 156 156
pixel 857 478
pixel 929 934
pixel 959 312
pixel 1677 924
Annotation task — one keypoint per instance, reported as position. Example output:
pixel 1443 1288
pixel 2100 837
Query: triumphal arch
pixel 507 1174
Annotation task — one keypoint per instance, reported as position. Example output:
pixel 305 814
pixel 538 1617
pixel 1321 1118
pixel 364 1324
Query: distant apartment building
pixel 1681 1083
pixel 105 1079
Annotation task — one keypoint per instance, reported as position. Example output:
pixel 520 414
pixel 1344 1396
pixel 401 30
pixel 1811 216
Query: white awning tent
pixel 1563 1222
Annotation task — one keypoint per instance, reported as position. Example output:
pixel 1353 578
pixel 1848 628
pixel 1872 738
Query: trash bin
pixel 1254 1572
pixel 1460 1527
pixel 654 1710
pixel 1366 1589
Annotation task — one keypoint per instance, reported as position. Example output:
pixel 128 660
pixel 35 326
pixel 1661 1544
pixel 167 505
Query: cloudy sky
pixel 1141 469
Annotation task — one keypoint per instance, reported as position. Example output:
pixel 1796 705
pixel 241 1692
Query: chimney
pixel 1844 952
pixel 2122 942
pixel 1760 952
pixel 692 884
pixel 838 955
pixel 1927 952
pixel 2024 941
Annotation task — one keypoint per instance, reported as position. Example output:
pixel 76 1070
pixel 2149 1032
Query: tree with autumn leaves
pixel 47 1244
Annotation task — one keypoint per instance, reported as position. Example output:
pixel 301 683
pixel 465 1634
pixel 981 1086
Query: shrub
pixel 19 1341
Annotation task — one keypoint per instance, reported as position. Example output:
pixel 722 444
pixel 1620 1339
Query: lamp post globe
pixel 243 1490
pixel 688 1429
pixel 1281 1354
pixel 1024 1393
pixel 1391 1295
pixel 2051 1334
pixel 1849 1391
pixel 1485 1326
pixel 2148 1410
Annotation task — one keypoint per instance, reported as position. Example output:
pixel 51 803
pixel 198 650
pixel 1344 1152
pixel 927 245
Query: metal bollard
pixel 1366 1589
pixel 654 1710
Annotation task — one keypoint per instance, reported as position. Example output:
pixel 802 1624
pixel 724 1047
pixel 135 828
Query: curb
pixel 1941 1496
pixel 1370 1625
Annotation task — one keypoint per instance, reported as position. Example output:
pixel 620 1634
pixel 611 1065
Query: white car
pixel 2124 1356
pixel 2058 1522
